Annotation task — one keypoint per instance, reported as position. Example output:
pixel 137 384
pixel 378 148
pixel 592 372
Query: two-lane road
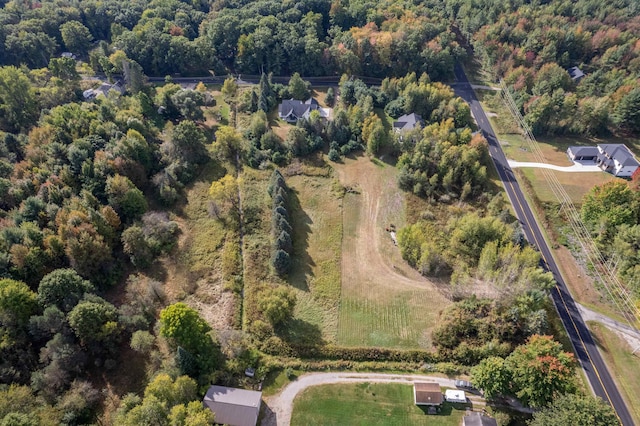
pixel 584 346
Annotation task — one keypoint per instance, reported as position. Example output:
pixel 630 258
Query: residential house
pixel 407 122
pixel 575 73
pixel 427 393
pixel 292 110
pixel 583 153
pixel 104 90
pixel 232 406
pixel 477 419
pixel 616 159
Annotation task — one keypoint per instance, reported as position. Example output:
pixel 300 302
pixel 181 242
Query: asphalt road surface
pixel 585 348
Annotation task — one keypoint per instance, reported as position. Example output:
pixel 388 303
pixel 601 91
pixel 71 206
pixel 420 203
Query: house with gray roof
pixel 616 159
pixel 104 90
pixel 232 406
pixel 583 153
pixel 407 122
pixel 575 73
pixel 292 110
pixel 477 419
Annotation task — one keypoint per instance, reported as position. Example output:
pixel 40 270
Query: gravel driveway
pixel 280 406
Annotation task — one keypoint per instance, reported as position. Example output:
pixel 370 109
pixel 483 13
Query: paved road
pixel 585 348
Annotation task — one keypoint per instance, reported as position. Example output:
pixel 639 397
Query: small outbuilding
pixel 455 395
pixel 427 393
pixel 232 406
pixel 477 419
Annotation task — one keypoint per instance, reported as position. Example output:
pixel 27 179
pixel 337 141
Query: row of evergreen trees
pixel 281 229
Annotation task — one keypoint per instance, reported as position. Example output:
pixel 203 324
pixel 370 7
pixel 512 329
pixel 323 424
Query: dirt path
pixel 628 333
pixel 374 257
pixel 280 406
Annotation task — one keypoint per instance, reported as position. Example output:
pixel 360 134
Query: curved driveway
pixel 281 405
pixel 577 167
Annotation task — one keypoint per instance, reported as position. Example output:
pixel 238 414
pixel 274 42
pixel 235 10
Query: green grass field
pixel 367 404
pixel 316 216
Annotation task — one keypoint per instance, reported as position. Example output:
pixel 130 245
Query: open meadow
pixel 367 404
pixel 384 302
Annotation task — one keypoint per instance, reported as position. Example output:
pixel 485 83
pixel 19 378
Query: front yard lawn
pixel 368 404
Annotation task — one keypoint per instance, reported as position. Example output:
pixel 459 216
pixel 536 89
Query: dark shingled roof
pixel 584 151
pixel 427 393
pixel 231 406
pixel 407 122
pixel 297 108
pixel 575 73
pixel 620 153
pixel 476 419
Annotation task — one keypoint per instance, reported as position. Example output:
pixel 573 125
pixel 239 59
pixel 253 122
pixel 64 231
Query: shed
pixel 427 393
pixel 234 407
pixel 477 419
pixel 455 395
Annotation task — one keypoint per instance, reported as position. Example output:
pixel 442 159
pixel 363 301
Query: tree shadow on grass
pixel 302 263
pixel 300 332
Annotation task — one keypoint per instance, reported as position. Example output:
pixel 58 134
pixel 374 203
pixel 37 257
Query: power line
pixel 602 269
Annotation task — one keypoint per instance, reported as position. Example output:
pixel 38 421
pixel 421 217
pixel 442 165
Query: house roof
pixel 575 73
pixel 477 419
pixel 407 121
pixel 427 393
pixel 231 406
pixel 584 151
pixel 620 153
pixel 297 108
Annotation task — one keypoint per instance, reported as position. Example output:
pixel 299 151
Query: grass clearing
pixel 575 184
pixel 384 302
pixel 625 365
pixel 316 213
pixel 368 404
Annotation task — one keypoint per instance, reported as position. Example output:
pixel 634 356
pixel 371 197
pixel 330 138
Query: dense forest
pixel 89 187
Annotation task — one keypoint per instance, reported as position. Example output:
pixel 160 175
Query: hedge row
pixel 276 346
pixel 281 229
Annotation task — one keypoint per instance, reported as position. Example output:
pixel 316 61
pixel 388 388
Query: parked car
pixel 463 384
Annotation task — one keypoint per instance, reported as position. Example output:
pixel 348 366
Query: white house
pixel 292 110
pixel 616 159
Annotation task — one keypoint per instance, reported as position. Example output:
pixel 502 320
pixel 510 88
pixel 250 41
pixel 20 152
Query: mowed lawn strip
pixel 366 404
pixel 384 302
pixel 625 365
pixel 316 218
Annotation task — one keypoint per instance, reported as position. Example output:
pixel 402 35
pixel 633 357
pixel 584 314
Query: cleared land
pixel 367 404
pixel 383 302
